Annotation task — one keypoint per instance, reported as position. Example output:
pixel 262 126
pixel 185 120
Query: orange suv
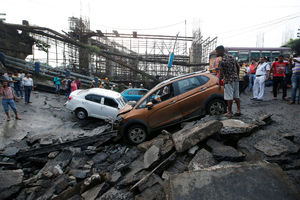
pixel 170 102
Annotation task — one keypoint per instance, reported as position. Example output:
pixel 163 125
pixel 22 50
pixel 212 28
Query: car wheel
pixel 81 113
pixel 136 134
pixel 216 107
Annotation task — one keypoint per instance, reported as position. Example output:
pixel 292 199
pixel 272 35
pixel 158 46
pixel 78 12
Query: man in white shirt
pixel 27 87
pixel 262 74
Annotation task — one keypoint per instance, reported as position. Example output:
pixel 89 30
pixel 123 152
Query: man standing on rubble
pixel 229 72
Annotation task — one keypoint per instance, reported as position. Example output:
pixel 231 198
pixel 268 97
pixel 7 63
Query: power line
pixel 258 25
pixel 261 27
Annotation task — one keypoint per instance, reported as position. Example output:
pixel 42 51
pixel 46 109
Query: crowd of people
pixel 237 76
pixel 67 84
pixel 15 86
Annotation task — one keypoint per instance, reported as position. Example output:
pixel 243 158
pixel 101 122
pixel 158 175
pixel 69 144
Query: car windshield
pixel 121 101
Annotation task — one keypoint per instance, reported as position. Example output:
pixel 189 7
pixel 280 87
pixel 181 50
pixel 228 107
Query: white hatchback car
pixel 95 102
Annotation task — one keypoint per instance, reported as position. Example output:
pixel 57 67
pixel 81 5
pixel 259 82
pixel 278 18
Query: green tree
pixel 294 44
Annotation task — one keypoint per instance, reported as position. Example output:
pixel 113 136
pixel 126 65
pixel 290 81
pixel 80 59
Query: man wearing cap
pixel 262 70
pixel 279 68
pixel 229 72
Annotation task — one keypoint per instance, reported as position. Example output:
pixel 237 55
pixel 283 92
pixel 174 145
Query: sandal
pixel 237 114
pixel 228 114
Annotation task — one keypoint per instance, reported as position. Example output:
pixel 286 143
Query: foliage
pixel 294 45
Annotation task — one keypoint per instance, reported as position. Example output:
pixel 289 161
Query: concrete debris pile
pixel 213 158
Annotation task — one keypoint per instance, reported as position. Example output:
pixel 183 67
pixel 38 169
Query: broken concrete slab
pixel 271 147
pixel 224 153
pixel 99 157
pixel 53 154
pixel 114 194
pixel 193 150
pixel 115 177
pixel 162 141
pixel 152 180
pixel 295 164
pixel 46 141
pixel 237 128
pixel 81 174
pixel 62 160
pixel 294 176
pixel 152 193
pixel 201 160
pixel 268 144
pixel 151 156
pixel 92 193
pixel 10 181
pixel 186 138
pixel 261 181
pixel 10 178
pixel 10 151
pixel 61 185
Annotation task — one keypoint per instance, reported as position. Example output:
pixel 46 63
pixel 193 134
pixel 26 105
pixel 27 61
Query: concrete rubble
pixel 212 158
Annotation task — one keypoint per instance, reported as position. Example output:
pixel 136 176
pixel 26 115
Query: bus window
pixel 244 56
pixel 286 53
pixel 275 54
pixel 266 54
pixel 235 54
pixel 254 55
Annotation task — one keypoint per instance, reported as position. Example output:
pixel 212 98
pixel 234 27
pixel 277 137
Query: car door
pixel 164 112
pixel 130 96
pixel 92 104
pixel 191 94
pixel 110 108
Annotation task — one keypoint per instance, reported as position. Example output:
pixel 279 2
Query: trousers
pixel 279 80
pixel 259 87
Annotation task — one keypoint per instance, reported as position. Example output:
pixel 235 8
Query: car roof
pixel 179 77
pixel 103 92
pixel 171 80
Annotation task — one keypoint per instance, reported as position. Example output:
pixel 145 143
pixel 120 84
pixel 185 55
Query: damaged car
pixel 95 102
pixel 171 102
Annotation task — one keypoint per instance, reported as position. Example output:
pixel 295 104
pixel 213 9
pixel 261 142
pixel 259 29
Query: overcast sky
pixel 235 22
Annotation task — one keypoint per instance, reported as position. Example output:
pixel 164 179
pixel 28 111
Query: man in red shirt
pixel 278 68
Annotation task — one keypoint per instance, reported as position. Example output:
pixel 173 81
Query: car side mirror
pixel 149 105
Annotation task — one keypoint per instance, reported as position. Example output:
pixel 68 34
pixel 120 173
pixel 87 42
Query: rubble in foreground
pixel 194 162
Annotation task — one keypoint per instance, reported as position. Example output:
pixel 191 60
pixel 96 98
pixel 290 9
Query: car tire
pixel 136 134
pixel 81 113
pixel 216 107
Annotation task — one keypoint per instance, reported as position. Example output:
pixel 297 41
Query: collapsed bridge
pixel 138 58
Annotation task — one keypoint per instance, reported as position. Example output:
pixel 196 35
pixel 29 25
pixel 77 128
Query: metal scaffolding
pixel 121 57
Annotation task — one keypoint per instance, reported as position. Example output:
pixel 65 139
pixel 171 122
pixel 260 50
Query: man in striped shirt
pixel 295 63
